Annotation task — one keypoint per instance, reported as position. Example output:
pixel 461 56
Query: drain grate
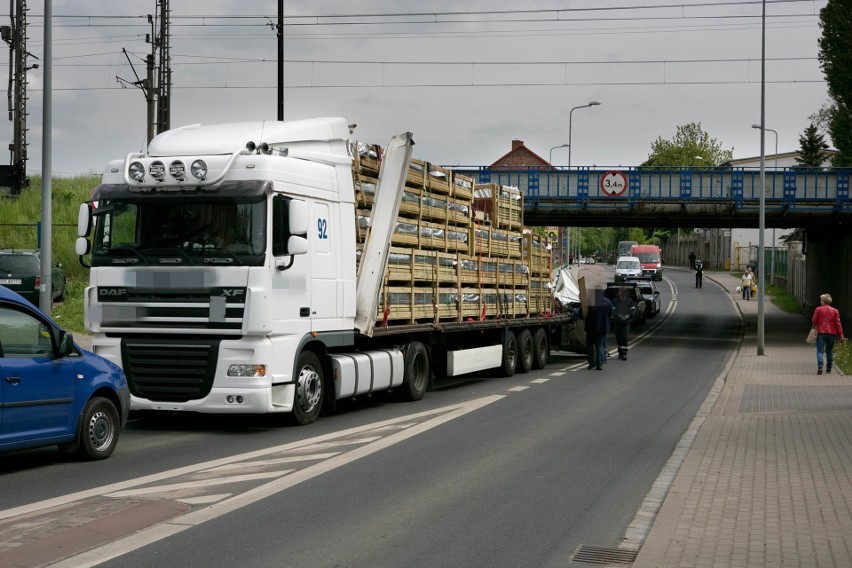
pixel 597 555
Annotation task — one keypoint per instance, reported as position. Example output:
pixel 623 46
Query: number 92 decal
pixel 322 228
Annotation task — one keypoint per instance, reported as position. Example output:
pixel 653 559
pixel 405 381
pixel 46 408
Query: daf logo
pixel 233 293
pixel 112 292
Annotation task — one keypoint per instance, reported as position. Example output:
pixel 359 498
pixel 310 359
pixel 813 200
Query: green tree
pixel 691 146
pixel 835 57
pixel 811 145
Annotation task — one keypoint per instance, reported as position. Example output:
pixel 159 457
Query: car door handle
pixel 13 380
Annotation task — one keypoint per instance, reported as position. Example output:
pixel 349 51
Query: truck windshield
pixel 648 257
pixel 177 229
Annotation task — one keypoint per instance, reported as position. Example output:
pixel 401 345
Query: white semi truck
pixel 229 275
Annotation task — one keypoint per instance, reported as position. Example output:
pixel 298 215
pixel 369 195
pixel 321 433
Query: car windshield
pixel 27 263
pixel 628 264
pixel 195 230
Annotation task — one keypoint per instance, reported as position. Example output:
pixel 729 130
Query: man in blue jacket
pixel 597 328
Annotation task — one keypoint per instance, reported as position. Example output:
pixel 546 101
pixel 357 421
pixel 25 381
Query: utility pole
pixel 157 95
pixel 15 174
pixel 164 70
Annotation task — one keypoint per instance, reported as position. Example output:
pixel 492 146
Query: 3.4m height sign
pixel 613 183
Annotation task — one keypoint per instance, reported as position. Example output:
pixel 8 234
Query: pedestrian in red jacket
pixel 826 320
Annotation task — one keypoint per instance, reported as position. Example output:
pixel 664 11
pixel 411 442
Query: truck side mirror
pixel 298 217
pixel 84 220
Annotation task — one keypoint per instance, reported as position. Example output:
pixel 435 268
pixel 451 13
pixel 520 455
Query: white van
pixel 627 267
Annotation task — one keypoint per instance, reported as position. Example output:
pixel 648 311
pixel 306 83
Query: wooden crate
pixel 500 243
pixel 428 176
pixel 537 253
pixel 462 187
pixel 406 305
pixel 504 204
pixel 505 302
pixel 367 159
pixel 415 266
pixel 541 296
pixel 416 203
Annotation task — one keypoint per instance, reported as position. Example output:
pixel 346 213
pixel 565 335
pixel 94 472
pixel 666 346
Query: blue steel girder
pixel 789 199
pixel 582 187
pixel 842 189
pixel 484 174
pixel 685 184
pixel 634 187
pixel 737 184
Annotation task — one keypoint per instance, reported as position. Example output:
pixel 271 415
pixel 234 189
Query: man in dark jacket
pixel 597 327
pixel 624 308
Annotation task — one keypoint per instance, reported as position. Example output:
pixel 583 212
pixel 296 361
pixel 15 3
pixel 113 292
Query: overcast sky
pixel 466 77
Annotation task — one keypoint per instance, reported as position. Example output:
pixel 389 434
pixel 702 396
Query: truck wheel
pixel 99 429
pixel 539 349
pixel 510 354
pixel 415 378
pixel 309 389
pixel 525 351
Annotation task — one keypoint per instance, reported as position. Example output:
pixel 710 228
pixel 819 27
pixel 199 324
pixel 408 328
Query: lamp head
pixel 756 126
pixel 594 103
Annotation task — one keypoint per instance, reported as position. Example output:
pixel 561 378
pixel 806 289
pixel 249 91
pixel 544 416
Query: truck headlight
pixel 247 371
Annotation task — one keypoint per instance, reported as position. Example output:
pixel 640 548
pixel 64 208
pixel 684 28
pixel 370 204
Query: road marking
pixel 196 484
pixel 280 483
pixel 205 499
pixel 540 381
pixel 262 463
pixel 300 445
pixel 557 374
pixel 518 389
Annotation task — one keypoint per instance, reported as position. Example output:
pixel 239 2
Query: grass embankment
pixel 19 218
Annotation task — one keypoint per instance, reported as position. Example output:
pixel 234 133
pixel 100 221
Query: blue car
pixel 51 391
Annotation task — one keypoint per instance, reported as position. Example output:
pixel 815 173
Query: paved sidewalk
pixel 768 478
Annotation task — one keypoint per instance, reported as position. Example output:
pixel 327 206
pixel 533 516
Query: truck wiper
pixel 230 257
pixel 165 252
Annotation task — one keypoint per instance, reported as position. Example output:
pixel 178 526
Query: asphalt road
pixel 482 472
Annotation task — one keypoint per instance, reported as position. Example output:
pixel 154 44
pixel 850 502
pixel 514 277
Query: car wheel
pixel 99 430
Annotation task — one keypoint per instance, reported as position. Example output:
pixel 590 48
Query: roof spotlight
pixel 251 146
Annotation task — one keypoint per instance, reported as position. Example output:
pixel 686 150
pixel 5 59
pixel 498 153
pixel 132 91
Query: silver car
pixel 627 267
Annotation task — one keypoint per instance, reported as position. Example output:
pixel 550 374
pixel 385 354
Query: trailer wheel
pixel 539 349
pixel 415 378
pixel 309 389
pixel 525 351
pixel 510 354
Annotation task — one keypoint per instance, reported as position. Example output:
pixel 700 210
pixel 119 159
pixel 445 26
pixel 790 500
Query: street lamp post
pixel 563 245
pixel 570 117
pixel 774 174
pixel 554 148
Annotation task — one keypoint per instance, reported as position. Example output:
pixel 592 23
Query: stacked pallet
pixel 453 257
pixel 503 205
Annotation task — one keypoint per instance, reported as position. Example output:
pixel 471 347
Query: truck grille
pixel 169 370
pixel 208 309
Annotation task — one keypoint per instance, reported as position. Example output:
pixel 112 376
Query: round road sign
pixel 613 183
